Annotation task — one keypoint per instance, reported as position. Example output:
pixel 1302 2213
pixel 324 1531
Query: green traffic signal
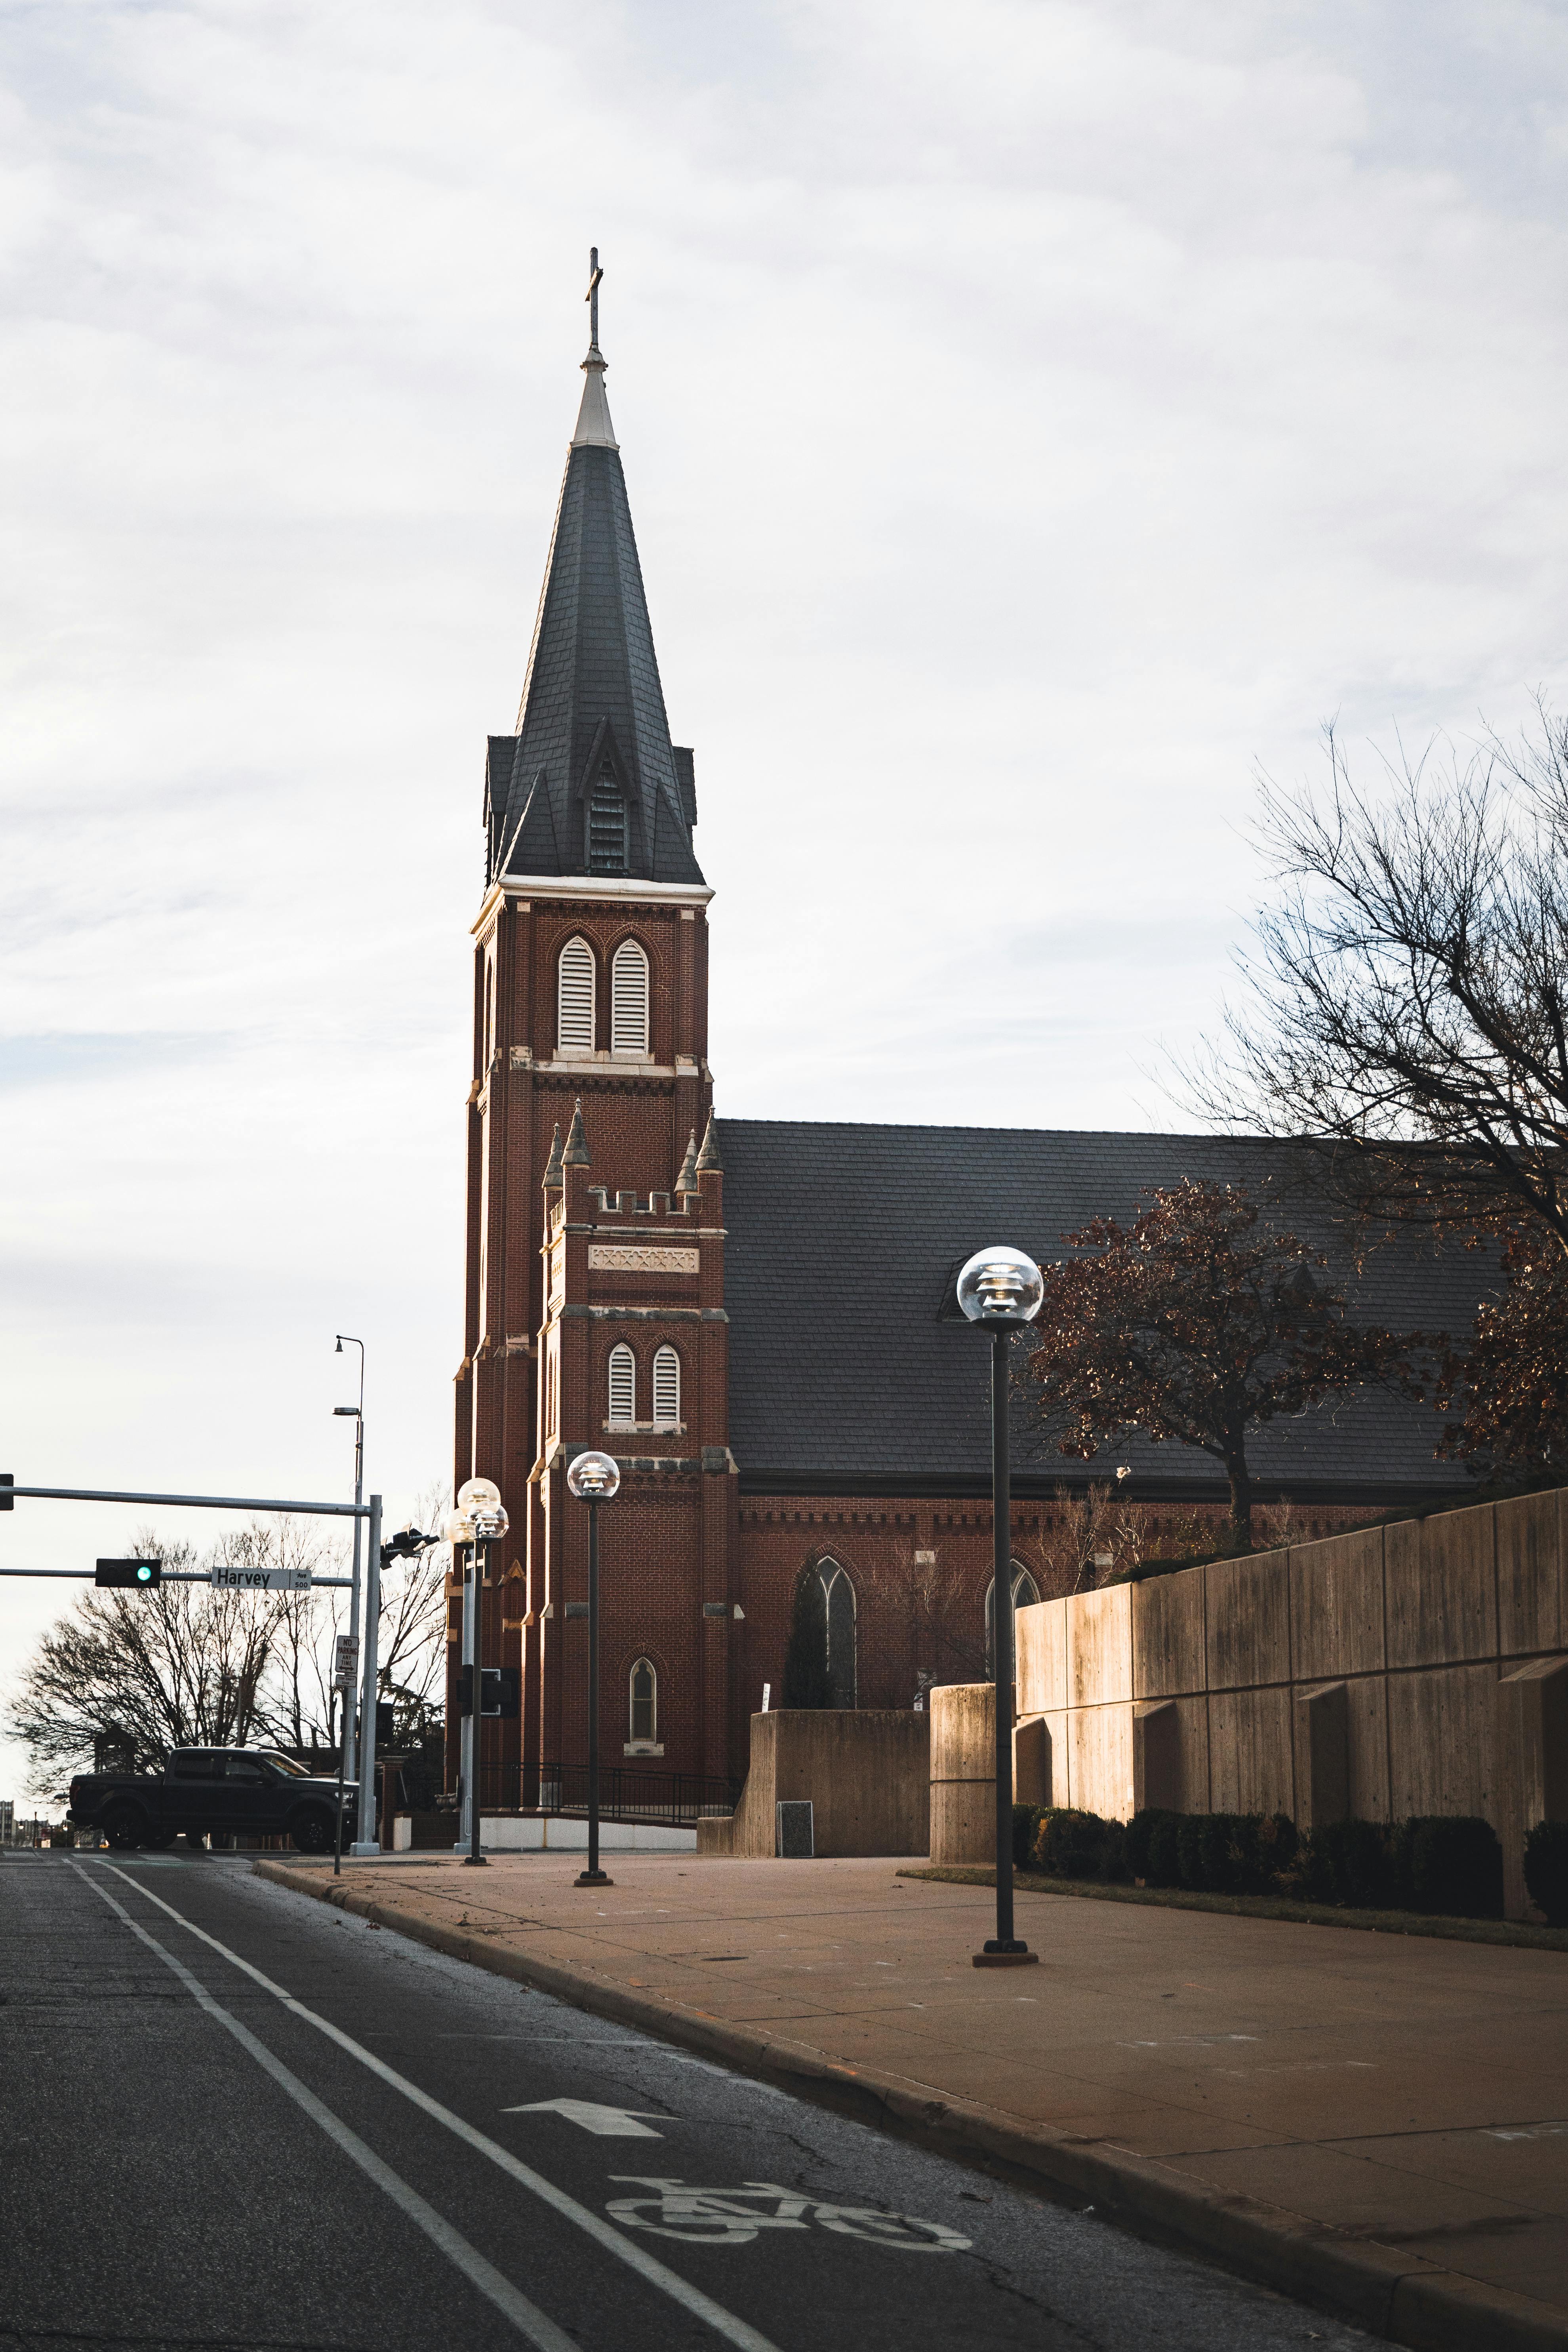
pixel 137 1573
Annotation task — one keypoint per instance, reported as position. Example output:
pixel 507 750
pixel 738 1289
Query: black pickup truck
pixel 247 1791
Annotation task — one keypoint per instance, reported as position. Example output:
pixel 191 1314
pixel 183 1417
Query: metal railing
pixel 625 1793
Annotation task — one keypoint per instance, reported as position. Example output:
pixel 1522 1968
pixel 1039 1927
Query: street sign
pixel 261 1579
pixel 346 1661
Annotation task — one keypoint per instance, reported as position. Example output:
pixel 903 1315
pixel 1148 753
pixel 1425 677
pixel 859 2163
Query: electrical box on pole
pixel 140 1574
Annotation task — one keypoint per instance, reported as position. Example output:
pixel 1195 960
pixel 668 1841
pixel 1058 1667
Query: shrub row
pixel 1436 1862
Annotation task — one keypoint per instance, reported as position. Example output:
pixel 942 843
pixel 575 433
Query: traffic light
pixel 7 1500
pixel 138 1573
pixel 384 1723
pixel 500 1691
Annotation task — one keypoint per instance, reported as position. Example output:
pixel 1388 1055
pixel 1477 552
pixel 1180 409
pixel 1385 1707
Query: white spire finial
pixel 594 430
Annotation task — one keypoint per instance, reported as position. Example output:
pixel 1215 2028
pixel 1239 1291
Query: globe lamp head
pixel 1001 1285
pixel 594 1477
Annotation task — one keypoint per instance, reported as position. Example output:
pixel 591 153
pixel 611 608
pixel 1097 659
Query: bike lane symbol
pixel 735 2217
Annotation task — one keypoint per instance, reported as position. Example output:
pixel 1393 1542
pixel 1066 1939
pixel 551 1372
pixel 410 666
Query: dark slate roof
pixel 851 1369
pixel 593 689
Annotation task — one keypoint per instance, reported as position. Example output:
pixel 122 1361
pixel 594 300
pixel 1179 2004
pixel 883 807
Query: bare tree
pixel 188 1666
pixel 182 1665
pixel 411 1647
pixel 1406 1003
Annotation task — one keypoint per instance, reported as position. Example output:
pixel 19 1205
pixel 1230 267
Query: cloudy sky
pixel 1039 415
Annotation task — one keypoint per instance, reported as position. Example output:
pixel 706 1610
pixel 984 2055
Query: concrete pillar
pixel 964 1772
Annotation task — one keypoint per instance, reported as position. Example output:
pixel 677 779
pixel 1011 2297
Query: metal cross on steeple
pixel 592 297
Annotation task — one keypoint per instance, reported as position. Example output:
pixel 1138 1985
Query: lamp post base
pixel 361 1847
pixel 477 1861
pixel 593 1879
pixel 1008 1955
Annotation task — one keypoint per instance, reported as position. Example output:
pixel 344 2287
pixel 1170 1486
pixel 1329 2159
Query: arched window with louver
pixel 666 1388
pixel 623 1386
pixel 628 1000
pixel 574 999
pixel 606 826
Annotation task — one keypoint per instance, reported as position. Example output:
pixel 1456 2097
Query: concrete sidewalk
pixel 1379 2122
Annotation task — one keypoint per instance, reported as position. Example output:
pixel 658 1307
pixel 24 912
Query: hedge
pixel 1443 1864
pixel 1546 1870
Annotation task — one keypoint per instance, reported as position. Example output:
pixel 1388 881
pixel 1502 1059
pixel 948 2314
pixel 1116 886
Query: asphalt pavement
pixel 232 2118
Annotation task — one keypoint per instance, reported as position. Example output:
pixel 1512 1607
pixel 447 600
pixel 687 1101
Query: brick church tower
pixel 594 1298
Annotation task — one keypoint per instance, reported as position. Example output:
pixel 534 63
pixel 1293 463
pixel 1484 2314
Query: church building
pixel 756 1317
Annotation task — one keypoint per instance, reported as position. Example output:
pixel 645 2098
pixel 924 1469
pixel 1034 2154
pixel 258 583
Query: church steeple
pixel 591 783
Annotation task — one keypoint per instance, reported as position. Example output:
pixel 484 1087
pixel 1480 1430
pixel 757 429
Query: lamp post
pixel 364 1810
pixel 593 1478
pixel 354 1413
pixel 478 1520
pixel 1001 1289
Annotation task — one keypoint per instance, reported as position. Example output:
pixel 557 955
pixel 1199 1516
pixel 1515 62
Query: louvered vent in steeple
pixel 606 827
pixel 628 1000
pixel 575 1007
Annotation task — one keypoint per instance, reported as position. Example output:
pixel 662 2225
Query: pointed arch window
pixel 1025 1592
pixel 838 1595
pixel 623 1385
pixel 574 999
pixel 606 826
pixel 667 1390
pixel 628 1000
pixel 642 1721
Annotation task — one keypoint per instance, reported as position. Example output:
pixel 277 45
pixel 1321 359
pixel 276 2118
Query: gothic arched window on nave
pixel 1025 1592
pixel 643 1694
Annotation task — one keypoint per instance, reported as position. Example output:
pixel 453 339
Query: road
pixel 232 2117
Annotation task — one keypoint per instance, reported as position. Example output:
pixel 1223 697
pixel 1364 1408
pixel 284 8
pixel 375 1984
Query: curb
pixel 1393 2295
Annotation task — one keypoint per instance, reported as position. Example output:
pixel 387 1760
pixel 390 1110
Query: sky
pixel 1039 417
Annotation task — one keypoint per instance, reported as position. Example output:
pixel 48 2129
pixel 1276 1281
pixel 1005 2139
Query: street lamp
pixel 1001 1289
pixel 478 1520
pixel 593 1478
pixel 354 1413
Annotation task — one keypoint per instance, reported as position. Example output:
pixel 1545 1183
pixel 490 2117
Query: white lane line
pixel 525 2316
pixel 735 2331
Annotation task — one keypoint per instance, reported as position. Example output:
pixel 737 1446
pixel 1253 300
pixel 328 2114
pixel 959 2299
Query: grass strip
pixel 1516 1932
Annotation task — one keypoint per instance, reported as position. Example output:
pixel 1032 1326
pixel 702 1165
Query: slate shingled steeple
pixel 591 781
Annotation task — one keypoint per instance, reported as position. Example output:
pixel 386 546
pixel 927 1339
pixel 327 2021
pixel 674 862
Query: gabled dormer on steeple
pixel 591 783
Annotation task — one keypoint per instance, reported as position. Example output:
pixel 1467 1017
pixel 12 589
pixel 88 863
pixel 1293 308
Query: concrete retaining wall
pixel 1419 1668
pixel 867 1773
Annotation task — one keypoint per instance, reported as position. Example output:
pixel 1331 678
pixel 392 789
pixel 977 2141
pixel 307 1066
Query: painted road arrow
pixel 604 2123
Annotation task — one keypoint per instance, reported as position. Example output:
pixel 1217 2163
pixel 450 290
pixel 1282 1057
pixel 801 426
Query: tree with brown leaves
pixel 1195 1324
pixel 1511 1391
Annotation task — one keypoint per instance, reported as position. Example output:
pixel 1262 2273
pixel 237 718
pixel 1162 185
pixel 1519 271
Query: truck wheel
pixel 124 1828
pixel 311 1830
